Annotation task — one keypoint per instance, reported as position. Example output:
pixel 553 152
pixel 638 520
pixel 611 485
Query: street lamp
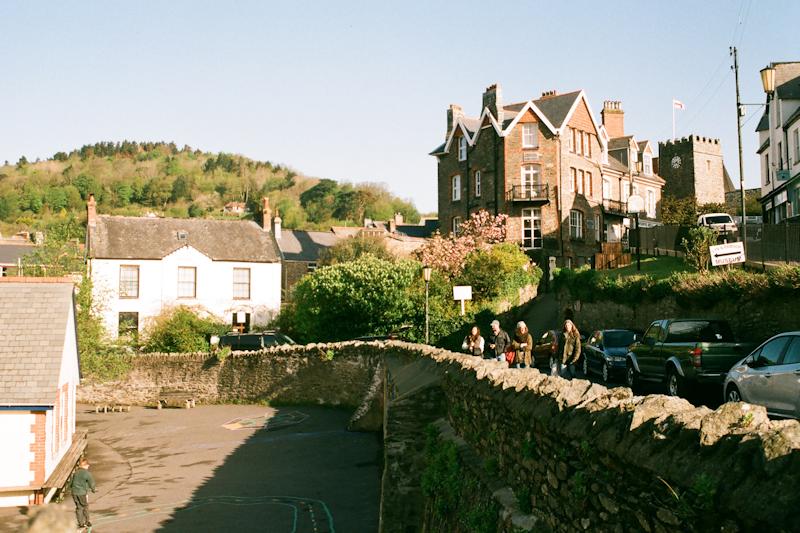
pixel 768 79
pixel 426 275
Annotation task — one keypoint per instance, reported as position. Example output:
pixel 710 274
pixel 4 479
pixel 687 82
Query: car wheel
pixel 733 394
pixel 674 382
pixel 631 379
pixel 585 367
pixel 605 372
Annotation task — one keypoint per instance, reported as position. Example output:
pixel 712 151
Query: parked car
pixel 683 353
pixel 769 376
pixel 248 342
pixel 605 352
pixel 721 223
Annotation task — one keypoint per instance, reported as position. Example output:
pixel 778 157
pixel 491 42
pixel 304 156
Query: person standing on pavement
pixel 571 352
pixel 522 344
pixel 82 483
pixel 473 343
pixel 499 342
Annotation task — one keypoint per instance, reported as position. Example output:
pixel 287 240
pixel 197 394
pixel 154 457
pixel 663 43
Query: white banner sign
pixel 462 292
pixel 727 254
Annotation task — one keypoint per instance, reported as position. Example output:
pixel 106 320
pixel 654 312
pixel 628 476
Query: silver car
pixel 769 376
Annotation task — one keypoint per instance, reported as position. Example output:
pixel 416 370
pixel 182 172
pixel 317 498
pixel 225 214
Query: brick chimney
pixel 276 223
pixel 613 118
pixel 91 212
pixel 549 94
pixel 453 113
pixel 266 215
pixel 493 99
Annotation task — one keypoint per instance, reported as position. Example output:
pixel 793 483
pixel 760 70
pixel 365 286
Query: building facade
pixel 779 146
pixel 541 162
pixel 693 168
pixel 141 266
pixel 38 378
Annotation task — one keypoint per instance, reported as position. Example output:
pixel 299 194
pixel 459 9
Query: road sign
pixel 727 254
pixel 462 292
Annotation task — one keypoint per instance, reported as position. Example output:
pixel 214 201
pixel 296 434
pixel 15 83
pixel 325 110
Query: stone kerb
pixel 734 455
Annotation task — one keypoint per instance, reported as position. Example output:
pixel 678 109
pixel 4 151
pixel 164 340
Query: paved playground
pixel 231 467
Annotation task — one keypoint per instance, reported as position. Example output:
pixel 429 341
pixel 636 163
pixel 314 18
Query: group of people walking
pixel 518 350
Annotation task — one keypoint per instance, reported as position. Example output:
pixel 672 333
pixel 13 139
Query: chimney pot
pixel 276 222
pixel 613 118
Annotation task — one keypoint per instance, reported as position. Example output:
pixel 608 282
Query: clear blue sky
pixel 357 91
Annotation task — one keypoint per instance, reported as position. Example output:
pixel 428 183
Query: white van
pixel 717 221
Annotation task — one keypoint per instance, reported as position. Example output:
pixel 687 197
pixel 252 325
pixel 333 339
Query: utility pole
pixel 735 68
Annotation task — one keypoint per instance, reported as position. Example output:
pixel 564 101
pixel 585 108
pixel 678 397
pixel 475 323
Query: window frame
pixel 477 178
pixel 582 182
pixel 576 225
pixel 589 181
pixel 606 189
pixel 131 330
pixel 455 224
pixel 598 236
pixel 647 164
pixel 462 148
pixel 127 296
pixel 180 282
pixel 796 146
pixel 534 216
pixel 455 187
pixel 573 184
pixel 650 193
pixel 529 131
pixel 240 283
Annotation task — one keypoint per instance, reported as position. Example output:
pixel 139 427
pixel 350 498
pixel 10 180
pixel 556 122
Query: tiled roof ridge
pixel 32 279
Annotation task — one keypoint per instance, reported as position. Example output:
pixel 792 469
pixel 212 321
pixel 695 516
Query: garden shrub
pixel 180 329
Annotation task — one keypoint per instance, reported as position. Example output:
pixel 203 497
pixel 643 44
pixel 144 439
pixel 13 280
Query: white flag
pixel 677 104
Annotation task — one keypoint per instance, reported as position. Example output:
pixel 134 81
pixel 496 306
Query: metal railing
pixel 615 207
pixel 766 243
pixel 535 192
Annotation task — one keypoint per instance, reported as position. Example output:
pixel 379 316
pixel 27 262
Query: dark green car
pixel 683 353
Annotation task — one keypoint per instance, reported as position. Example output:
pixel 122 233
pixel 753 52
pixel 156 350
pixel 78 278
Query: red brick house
pixel 38 376
pixel 539 161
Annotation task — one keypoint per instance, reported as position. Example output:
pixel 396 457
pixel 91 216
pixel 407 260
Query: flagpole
pixel 673 120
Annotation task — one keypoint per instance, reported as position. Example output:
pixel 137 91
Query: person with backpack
pixel 473 343
pixel 499 342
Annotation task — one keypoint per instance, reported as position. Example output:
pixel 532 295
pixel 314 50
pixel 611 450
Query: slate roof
pixel 155 238
pixel 305 246
pixel 9 253
pixel 556 108
pixel 423 231
pixel 792 118
pixel 763 146
pixel 33 327
pixel 789 90
pixel 763 124
pixel 615 164
pixel 619 142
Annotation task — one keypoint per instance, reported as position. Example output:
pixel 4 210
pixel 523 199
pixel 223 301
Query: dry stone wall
pixel 557 455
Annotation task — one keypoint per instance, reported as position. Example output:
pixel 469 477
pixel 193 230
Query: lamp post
pixel 426 275
pixel 635 207
pixel 768 83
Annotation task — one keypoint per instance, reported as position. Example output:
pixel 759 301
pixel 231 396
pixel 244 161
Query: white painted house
pixel 38 376
pixel 140 266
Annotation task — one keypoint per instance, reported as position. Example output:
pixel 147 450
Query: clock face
pixel 676 162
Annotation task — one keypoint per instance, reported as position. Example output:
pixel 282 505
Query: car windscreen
pixel 720 219
pixel 700 331
pixel 618 339
pixel 247 343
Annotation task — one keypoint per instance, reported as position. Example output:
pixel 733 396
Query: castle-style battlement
pixel 691 139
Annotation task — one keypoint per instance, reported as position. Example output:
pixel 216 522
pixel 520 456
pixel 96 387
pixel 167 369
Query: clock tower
pixel 693 167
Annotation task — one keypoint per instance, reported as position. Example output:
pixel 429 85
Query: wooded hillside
pixel 131 178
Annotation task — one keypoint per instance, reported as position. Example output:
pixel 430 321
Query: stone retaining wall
pixel 579 456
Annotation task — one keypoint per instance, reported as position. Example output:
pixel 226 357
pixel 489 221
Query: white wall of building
pixel 158 286
pixel 64 412
pixel 15 450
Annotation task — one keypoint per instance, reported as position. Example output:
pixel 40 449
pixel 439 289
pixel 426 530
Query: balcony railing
pixel 615 207
pixel 535 192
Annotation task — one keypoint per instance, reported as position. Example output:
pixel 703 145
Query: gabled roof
pixel 792 118
pixel 34 313
pixel 616 165
pixel 10 253
pixel 155 238
pixel 763 124
pixel 789 90
pixel 423 231
pixel 553 111
pixel 297 245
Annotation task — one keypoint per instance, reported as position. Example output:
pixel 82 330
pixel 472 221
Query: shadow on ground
pixel 308 476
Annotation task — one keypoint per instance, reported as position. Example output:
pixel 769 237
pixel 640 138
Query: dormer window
pixel 529 137
pixel 462 148
pixel 648 164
